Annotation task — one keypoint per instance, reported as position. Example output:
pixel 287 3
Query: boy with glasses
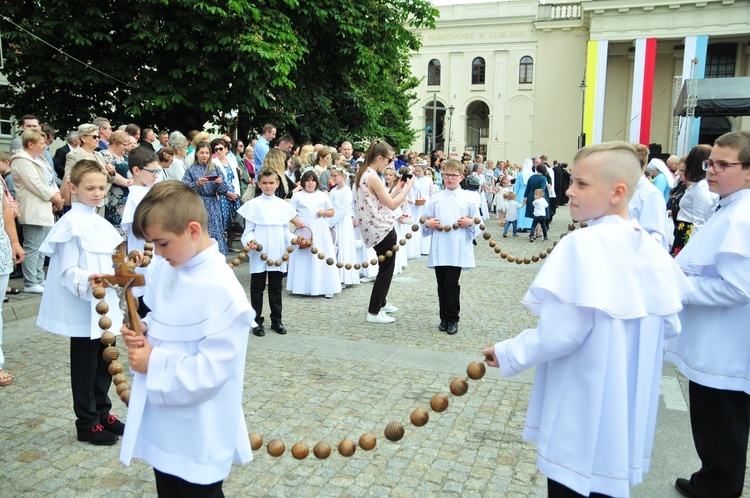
pixel 143 164
pixel 713 350
pixel 450 251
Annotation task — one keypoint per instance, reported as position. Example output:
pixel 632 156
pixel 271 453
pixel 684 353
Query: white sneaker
pixel 380 318
pixel 389 308
pixel 366 279
pixel 34 289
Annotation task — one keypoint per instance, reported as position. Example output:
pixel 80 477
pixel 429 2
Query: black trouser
pixel 258 286
pixel 90 381
pixel 720 420
pixel 449 292
pixel 385 273
pixel 169 486
pixel 557 490
pixel 539 220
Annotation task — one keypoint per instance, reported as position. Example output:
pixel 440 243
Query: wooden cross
pixel 122 282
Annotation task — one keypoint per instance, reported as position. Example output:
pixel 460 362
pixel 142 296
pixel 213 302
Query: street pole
pixel 582 138
pixel 450 125
pixel 434 121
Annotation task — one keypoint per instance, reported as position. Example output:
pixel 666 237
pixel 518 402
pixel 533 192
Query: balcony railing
pixel 559 11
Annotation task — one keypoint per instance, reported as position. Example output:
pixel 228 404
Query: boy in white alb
pixel 267 219
pixel 185 416
pixel 607 298
pixel 648 205
pixel 80 248
pixel 713 350
pixel 143 164
pixel 451 251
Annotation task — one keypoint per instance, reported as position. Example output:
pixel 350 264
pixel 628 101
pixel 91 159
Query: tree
pixel 324 70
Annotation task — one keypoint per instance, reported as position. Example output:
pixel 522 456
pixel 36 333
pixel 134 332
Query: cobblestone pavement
pixel 334 376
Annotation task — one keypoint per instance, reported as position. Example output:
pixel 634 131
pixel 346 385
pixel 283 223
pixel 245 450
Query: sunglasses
pixel 93 136
pixel 217 149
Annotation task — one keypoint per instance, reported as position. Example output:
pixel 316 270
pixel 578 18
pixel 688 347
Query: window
pixel 526 70
pixel 720 60
pixel 477 71
pixel 5 124
pixel 433 72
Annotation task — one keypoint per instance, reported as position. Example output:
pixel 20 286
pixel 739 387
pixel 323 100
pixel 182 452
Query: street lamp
pixel 450 123
pixel 582 137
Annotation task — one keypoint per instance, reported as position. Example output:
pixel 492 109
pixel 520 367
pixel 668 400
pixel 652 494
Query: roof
pixel 716 97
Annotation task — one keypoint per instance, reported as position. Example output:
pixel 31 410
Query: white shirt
pixel 453 248
pixel 697 205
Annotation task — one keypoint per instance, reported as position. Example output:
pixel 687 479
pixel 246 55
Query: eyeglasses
pixel 389 159
pixel 450 175
pixel 217 149
pixel 154 172
pixel 96 137
pixel 719 166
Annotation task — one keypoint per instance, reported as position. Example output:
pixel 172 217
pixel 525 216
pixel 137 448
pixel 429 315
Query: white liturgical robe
pixel 714 347
pixel 267 222
pixel 81 243
pixel 648 207
pixel 185 416
pixel 606 298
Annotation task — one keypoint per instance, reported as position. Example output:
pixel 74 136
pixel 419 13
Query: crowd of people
pixel 609 292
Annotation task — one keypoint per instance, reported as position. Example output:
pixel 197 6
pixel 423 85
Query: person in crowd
pixel 323 167
pixel 105 131
pixel 179 145
pixel 698 203
pixel 341 221
pixel 661 177
pixel 648 205
pixel 537 181
pixel 71 142
pixel 520 189
pixel 38 199
pixel 133 130
pixel 540 207
pixel 116 155
pixel 276 160
pixel 229 200
pixel 404 222
pixel 166 156
pixel 713 350
pixel 27 122
pixel 374 211
pixel 208 181
pixel 598 356
pixel 263 145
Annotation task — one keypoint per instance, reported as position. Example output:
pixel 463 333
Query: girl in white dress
pixel 418 199
pixel 309 275
pixel 341 221
pixel 404 221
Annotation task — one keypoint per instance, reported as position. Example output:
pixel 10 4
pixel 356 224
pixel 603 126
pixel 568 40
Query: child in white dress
pixel 308 275
pixel 404 221
pixel 341 221
pixel 418 199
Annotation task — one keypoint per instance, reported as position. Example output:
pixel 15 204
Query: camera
pixel 404 172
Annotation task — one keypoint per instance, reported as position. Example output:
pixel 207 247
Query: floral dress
pixel 117 195
pixel 210 192
pixel 228 208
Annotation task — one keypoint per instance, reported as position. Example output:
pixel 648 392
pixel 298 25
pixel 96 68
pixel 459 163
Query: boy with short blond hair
pixel 80 247
pixel 185 416
pixel 713 350
pixel 540 213
pixel 598 355
pixel 450 251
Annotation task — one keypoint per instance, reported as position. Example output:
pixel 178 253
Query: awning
pixel 716 97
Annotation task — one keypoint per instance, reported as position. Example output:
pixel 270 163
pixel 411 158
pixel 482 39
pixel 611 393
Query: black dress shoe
pixel 113 425
pixel 443 326
pixel 452 328
pixel 685 488
pixel 97 436
pixel 259 331
pixel 279 328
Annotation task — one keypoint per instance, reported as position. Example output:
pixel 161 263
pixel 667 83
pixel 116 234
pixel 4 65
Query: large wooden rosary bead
pixel 105 322
pixel 276 448
pixel 388 254
pixel 367 442
pixel 357 266
pixel 259 248
pixel 348 266
pixel 365 264
pixel 394 431
pixel 459 387
pixel 477 221
pixel 446 228
pixel 330 261
pixel 347 447
pixel 122 388
pixel 542 255
pixel 102 308
pixel 115 368
pixel 133 254
pixel 321 255
pixel 118 379
pixel 148 246
pixel 487 235
pixel 322 450
pixel 314 250
pixel 125 397
pixel 476 370
pixel 419 417
pixel 236 262
pixel 439 403
pixel 256 440
pixel 456 226
pixel 107 338
pixel 339 265
pixel 402 242
pixel 100 292
pixel 300 451
pixel 482 226
pixel 146 261
pixel 422 220
pixel 130 265
pixel 408 235
pixel 264 257
pixel 242 256
pixel 110 353
pixel 414 227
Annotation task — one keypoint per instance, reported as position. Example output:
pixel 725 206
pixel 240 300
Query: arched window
pixel 526 70
pixel 433 72
pixel 477 71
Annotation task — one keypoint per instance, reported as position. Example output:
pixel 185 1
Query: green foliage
pixel 323 70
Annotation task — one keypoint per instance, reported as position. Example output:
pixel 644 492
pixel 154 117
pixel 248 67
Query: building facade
pixel 514 79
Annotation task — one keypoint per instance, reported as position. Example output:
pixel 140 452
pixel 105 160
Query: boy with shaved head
pixel 607 298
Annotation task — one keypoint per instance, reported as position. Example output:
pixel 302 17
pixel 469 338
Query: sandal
pixel 13 291
pixel 5 378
